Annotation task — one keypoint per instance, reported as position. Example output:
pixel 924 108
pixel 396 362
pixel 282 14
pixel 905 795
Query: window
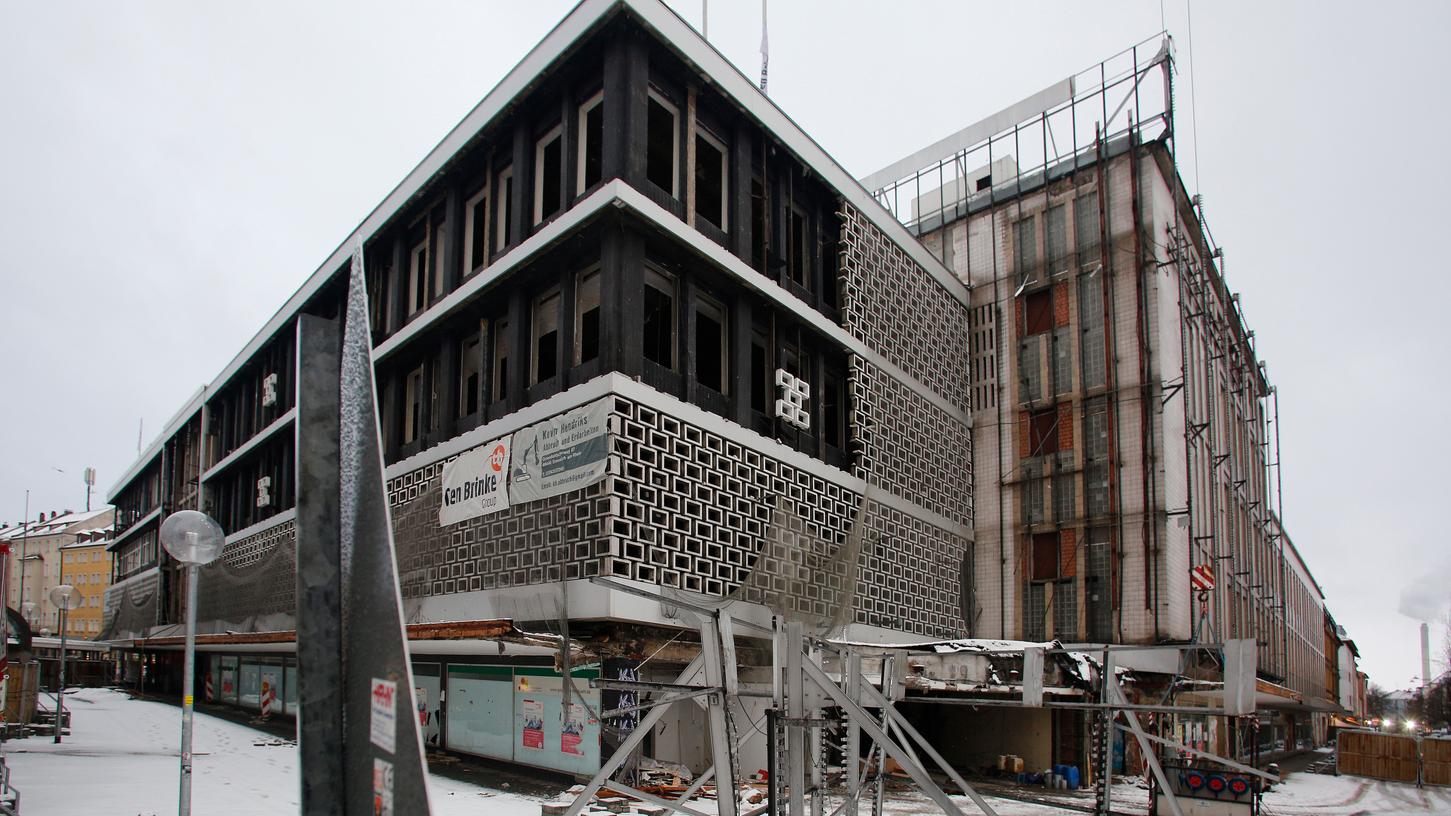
pixel 412 404
pixel 1035 613
pixel 1038 311
pixel 759 386
pixel 1097 603
pixel 758 222
pixel 1065 610
pixel 548 174
pixel 1025 244
pixel 1030 368
pixel 659 322
pixel 418 276
pixel 501 360
pixel 591 141
pixel 1045 556
pixel 435 394
pixel 1092 351
pixel 1032 481
pixel 1065 507
pixel 1095 456
pixel 1056 219
pixel 476 231
pixel 504 230
pixel 830 232
pixel 470 374
pixel 1062 361
pixel 711 346
pixel 798 254
pixel 1086 229
pixel 545 326
pixel 440 235
pixel 711 178
pixel 587 316
pixel 662 144
pixel 1043 432
pixel 833 412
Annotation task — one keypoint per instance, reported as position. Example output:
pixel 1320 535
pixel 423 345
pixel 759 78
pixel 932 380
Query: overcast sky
pixel 172 171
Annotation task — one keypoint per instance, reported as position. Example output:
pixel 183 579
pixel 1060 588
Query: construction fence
pixel 1394 757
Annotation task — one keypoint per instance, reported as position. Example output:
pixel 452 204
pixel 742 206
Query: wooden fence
pixel 1393 757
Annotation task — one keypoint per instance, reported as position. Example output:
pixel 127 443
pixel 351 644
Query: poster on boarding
pixel 476 483
pixel 561 454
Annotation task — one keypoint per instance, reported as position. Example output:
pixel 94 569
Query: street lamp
pixel 194 539
pixel 65 597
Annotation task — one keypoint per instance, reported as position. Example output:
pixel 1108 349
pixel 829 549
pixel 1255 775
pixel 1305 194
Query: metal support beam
pixel 609 766
pixel 876 732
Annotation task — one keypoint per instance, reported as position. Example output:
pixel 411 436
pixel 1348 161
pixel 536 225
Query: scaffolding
pixel 826 695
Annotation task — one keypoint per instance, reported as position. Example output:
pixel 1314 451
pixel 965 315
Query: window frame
pixel 577 349
pixel 499 355
pixel 413 402
pixel 596 101
pixel 471 228
pixel 553 292
pixel 541 144
pixel 477 337
pixel 674 110
pixel 652 270
pixel 504 212
pixel 719 145
pixel 704 301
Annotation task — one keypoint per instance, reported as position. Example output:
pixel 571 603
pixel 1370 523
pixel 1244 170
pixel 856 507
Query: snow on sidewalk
pixel 121 758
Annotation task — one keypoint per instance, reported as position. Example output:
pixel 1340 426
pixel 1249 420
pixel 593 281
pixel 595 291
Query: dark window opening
pixel 592 147
pixel 758 224
pixel 833 412
pixel 797 262
pixel 710 180
pixel 759 387
pixel 710 344
pixel 549 174
pixel 659 322
pixel 1039 312
pixel 478 232
pixel 470 373
pixel 501 360
pixel 587 320
pixel 505 207
pixel 1043 432
pixel 546 336
pixel 1045 556
pixel 831 261
pixel 660 145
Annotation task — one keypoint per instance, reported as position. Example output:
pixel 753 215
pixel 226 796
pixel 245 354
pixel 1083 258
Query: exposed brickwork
pixel 1065 426
pixel 1062 294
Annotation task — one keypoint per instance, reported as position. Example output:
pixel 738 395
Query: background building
pixel 1124 427
pixel 88 569
pixel 35 560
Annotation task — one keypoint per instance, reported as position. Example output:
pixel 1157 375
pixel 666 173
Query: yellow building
pixel 88 569
pixel 35 565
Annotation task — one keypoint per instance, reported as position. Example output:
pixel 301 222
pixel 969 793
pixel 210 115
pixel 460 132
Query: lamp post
pixel 194 539
pixel 65 597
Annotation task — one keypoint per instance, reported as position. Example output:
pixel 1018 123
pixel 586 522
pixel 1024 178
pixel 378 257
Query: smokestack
pixel 1425 655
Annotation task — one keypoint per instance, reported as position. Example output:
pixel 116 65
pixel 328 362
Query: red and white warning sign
pixel 269 694
pixel 1201 577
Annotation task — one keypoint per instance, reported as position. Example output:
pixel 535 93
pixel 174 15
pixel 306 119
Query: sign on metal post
pixel 359 745
pixel 1240 664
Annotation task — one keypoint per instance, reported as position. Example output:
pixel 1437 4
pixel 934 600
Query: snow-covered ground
pixel 121 758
